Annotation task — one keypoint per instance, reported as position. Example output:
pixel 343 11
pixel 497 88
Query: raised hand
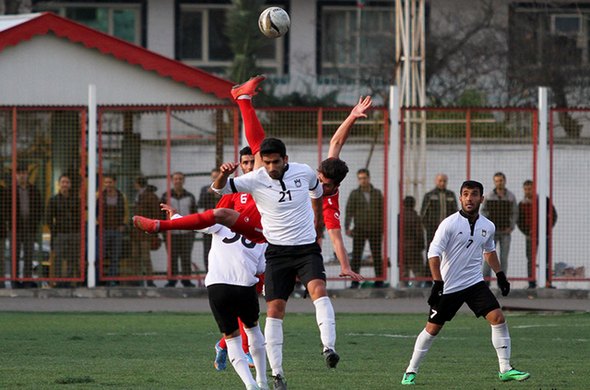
pixel 358 111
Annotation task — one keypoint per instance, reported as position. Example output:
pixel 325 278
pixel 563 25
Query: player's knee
pixel 495 317
pixel 276 309
pixel 226 217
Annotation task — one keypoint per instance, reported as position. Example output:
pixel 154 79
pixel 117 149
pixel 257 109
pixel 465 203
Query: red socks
pixel 190 222
pixel 254 131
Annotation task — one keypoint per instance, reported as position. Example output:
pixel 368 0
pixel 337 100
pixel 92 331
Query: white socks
pixel 501 341
pixel 256 345
pixel 273 331
pixel 324 314
pixel 423 343
pixel 237 357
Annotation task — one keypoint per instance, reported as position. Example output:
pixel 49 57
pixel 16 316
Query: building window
pixel 542 33
pixel 201 41
pixel 355 40
pixel 122 20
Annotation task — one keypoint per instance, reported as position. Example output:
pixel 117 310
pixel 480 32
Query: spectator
pixel 63 220
pixel 181 244
pixel 413 239
pixel 501 208
pixel 115 214
pixel 525 224
pixel 208 200
pixel 436 206
pixel 364 209
pixel 4 216
pixel 148 203
pixel 29 213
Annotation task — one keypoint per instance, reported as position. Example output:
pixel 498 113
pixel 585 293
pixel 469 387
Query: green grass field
pixel 175 351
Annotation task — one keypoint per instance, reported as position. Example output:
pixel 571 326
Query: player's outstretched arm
pixel 341 135
pixel 342 255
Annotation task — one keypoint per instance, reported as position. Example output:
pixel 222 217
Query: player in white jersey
pixel 461 243
pixel 231 281
pixel 282 193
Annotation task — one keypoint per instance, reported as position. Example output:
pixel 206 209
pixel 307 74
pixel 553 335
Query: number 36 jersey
pixel 233 259
pixel 460 246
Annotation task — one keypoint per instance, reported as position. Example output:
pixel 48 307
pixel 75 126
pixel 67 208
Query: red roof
pixel 135 55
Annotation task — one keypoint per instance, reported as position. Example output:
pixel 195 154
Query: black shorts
pixel 478 297
pixel 228 302
pixel 285 263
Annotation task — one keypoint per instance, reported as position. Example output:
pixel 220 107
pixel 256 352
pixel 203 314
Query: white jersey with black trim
pixel 284 204
pixel 233 259
pixel 460 247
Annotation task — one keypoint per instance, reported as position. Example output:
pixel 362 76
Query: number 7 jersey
pixel 460 246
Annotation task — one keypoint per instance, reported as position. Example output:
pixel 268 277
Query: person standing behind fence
pixel 63 220
pixel 501 208
pixel 29 214
pixel 413 243
pixel 4 215
pixel 181 245
pixel 146 203
pixel 364 209
pixel 437 204
pixel 115 214
pixel 525 224
pixel 208 200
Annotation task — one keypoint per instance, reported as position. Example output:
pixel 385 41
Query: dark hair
pixel 64 175
pixel 527 182
pixel 500 174
pixel 110 176
pixel 141 181
pixel 334 169
pixel 245 151
pixel 410 202
pixel 363 170
pixel 472 184
pixel 273 145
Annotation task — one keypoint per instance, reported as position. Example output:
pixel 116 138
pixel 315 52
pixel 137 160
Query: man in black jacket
pixel 29 213
pixel 364 209
pixel 63 219
pixel 437 204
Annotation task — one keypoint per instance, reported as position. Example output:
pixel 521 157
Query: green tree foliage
pixel 245 39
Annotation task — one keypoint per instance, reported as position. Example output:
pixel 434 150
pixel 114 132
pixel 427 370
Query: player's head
pixel 246 159
pixel 471 196
pixel 331 172
pixel 274 157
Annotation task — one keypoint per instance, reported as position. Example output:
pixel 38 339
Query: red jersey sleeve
pixel 226 202
pixel 331 211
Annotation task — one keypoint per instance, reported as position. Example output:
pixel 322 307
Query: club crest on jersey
pixel 337 215
pixel 484 232
pixel 297 182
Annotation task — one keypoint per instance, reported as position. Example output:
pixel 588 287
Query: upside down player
pixel 455 259
pixel 231 282
pixel 331 173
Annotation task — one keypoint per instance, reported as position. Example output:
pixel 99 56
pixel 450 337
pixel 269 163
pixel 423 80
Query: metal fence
pixel 39 145
pixel 153 142
pixel 478 144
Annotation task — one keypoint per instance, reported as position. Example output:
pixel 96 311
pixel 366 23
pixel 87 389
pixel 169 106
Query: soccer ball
pixel 274 22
